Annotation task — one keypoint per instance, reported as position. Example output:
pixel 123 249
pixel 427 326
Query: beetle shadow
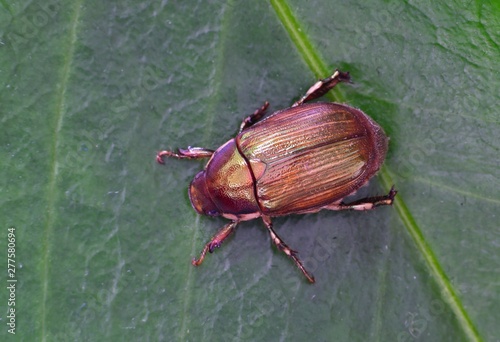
pixel 328 242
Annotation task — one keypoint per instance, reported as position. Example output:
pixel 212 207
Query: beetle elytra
pixel 297 160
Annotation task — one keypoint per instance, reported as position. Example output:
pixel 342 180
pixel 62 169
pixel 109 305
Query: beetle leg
pixel 216 241
pixel 255 117
pixel 189 153
pixel 366 203
pixel 282 246
pixel 321 87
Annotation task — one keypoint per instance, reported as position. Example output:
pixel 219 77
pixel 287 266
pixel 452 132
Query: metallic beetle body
pixel 297 160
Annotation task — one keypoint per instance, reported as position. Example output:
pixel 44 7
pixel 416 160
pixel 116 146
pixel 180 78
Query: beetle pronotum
pixel 297 160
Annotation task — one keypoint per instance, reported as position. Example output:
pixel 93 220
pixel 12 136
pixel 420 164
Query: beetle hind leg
pixel 254 118
pixel 215 242
pixel 322 87
pixel 282 246
pixel 366 203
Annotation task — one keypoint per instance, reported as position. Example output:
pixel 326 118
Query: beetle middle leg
pixel 216 241
pixel 282 246
pixel 322 87
pixel 366 203
pixel 189 153
pixel 254 118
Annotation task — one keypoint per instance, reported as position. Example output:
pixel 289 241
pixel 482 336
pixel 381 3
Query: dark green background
pixel 90 90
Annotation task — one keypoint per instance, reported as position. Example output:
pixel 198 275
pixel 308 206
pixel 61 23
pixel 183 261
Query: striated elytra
pixel 298 160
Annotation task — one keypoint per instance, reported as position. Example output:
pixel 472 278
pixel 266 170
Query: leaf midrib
pixel 318 66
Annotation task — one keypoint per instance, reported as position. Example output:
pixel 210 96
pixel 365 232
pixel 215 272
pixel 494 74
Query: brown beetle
pixel 298 160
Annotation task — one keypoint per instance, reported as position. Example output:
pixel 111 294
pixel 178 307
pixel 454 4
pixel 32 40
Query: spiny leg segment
pixel 366 203
pixel 254 118
pixel 321 87
pixel 282 246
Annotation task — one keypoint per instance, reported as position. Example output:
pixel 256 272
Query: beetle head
pixel 200 198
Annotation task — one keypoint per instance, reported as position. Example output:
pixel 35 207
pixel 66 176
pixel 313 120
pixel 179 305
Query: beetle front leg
pixel 215 242
pixel 255 117
pixel 282 246
pixel 189 153
pixel 366 203
pixel 321 87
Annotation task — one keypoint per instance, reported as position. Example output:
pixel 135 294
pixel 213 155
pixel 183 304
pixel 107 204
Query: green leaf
pixel 104 235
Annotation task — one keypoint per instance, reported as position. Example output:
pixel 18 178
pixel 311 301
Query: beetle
pixel 295 161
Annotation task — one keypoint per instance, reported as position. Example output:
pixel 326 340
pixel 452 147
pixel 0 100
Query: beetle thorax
pixel 226 186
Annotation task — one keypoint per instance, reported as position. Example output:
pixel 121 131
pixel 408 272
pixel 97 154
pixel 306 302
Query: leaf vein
pixel 51 187
pixel 314 61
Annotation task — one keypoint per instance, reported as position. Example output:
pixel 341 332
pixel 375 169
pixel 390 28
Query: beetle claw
pixel 159 157
pixel 392 194
pixel 196 262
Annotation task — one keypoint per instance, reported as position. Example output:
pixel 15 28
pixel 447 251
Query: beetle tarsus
pixel 323 86
pixel 387 199
pixel 215 242
pixel 282 246
pixel 160 155
pixel 254 118
pixel 366 203
pixel 197 262
pixel 189 153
